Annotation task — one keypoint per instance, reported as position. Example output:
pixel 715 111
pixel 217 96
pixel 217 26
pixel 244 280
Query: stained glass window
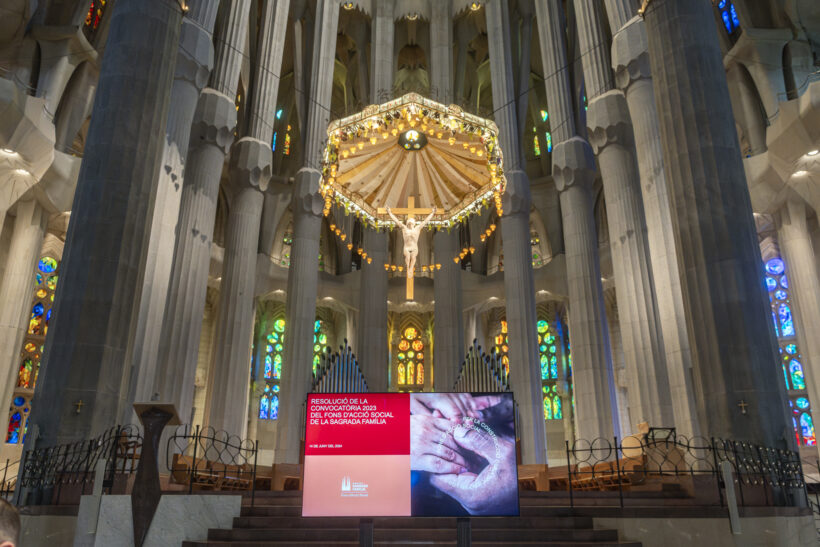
pixel 502 348
pixel 792 360
pixel 536 148
pixel 286 144
pixel 95 13
pixel 274 356
pixel 728 15
pixel 18 419
pixel 548 140
pixel 550 356
pixel 410 359
pixel 319 343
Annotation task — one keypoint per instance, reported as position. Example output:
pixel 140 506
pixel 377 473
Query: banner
pixel 410 454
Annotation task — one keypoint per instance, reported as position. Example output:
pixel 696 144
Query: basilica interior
pixel 622 197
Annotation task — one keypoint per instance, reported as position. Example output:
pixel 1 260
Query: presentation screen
pixel 410 454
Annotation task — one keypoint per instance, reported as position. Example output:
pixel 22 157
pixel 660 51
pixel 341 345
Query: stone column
pixel 303 277
pixel 725 301
pixel 211 136
pixel 448 331
pixel 610 133
pixel 85 353
pixel 519 287
pixel 801 270
pixel 630 60
pixel 372 349
pixel 441 52
pixel 574 173
pixel 193 65
pixel 17 291
pixel 250 173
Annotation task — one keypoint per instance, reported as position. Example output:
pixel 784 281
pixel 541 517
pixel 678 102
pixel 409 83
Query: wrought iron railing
pixel 47 472
pixel 762 476
pixel 209 459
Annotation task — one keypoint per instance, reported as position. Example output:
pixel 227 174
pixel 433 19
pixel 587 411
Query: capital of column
pixel 214 120
pixel 608 121
pixel 630 53
pixel 250 163
pixel 196 54
pixel 573 164
pixel 517 198
pixel 306 198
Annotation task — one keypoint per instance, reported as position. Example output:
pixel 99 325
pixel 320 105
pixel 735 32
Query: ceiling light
pixel 22 172
pixel 812 153
pixel 800 173
pixel 347 5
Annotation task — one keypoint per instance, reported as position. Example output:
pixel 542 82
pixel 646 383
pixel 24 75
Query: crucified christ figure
pixel 410 231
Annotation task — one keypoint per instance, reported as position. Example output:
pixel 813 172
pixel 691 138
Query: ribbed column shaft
pixel 594 50
pixel 519 287
pixel 303 277
pixel 441 52
pixel 449 348
pixel 801 271
pixel 592 374
pixel 371 349
pixel 211 136
pixel 727 308
pixel 16 291
pixel 272 31
pixel 194 62
pixel 230 46
pixel 631 62
pixel 381 51
pixel 551 25
pixel 234 323
pixel 86 349
pixel 619 12
pixel 610 132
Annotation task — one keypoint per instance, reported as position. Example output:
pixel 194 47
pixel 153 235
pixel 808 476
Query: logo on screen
pixel 353 489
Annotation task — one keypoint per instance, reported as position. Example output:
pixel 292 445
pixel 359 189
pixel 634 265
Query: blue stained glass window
pixel 807 428
pixel 264 407
pixel 796 370
pixel 19 401
pixel 784 282
pixel 268 366
pixel 775 266
pixel 554 370
pixel 774 320
pixel 771 283
pixel 735 20
pixel 37 310
pixel 274 407
pixel 786 322
pixel 727 21
pixel 722 4
pixel 781 295
pixel 786 375
pixel 276 388
pixel 802 402
pixel 549 141
pixel 273 142
pixel 279 114
pixel 791 349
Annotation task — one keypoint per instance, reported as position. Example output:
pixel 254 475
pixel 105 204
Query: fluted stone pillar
pixel 303 277
pixel 17 289
pixel 610 133
pixel 372 349
pixel 725 301
pixel 250 173
pixel 574 173
pixel 630 60
pixel 211 136
pixel 448 332
pixel 592 372
pixel 801 270
pixel 193 66
pixel 519 287
pixel 441 52
pixel 86 349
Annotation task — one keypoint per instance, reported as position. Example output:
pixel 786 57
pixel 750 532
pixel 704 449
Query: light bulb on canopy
pixel 413 164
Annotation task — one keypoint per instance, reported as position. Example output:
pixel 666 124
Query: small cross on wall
pixel 743 404
pixel 79 404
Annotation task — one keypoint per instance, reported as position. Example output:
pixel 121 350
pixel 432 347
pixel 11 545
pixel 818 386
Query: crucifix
pixel 410 232
pixel 79 404
pixel 743 404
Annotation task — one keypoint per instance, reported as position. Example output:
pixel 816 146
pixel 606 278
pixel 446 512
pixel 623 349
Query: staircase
pixel 276 520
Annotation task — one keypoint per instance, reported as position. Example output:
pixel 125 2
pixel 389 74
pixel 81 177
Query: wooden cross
pixel 743 404
pixel 410 212
pixel 79 404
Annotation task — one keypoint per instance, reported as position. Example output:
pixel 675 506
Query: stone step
pixel 277 543
pixel 413 522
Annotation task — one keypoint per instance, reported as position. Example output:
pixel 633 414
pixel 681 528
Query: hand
pixel 432 448
pixel 494 490
pixel 453 406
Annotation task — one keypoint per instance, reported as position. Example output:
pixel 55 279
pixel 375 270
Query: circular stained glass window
pixel 781 295
pixel 775 266
pixel 419 357
pixel 543 326
pixel 19 401
pixel 276 388
pixel 417 345
pixel 51 282
pixel 271 338
pixel 771 283
pixel 47 264
pixel 401 356
pixel 410 333
pixel 791 349
pixel 30 347
pixel 542 348
pixel 784 282
pixel 37 310
pixel 41 293
pixel 404 345
pixel 317 347
pixel 279 325
pixel 410 354
pixel 802 402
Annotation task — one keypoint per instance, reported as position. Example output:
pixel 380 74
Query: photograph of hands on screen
pixel 462 454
